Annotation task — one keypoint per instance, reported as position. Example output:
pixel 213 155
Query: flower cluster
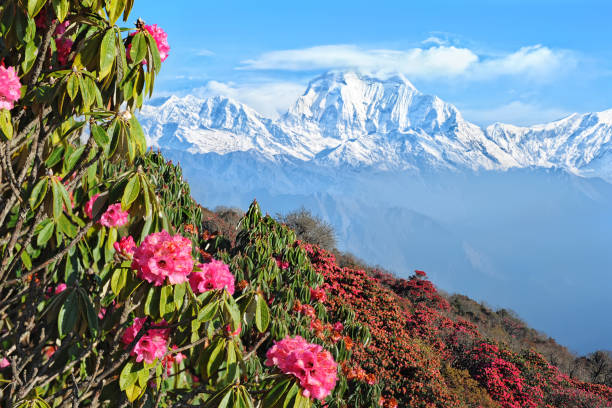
pixel 125 247
pixel 152 345
pixel 161 39
pixel 310 363
pixel 162 256
pixel 10 87
pixel 212 276
pixel 318 294
pixel 112 217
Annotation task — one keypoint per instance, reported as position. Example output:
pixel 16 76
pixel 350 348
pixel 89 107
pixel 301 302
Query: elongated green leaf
pixel 128 376
pixel 130 194
pixel 74 157
pixel 114 8
pixel 68 314
pixel 138 135
pixel 107 53
pixel 92 316
pixel 179 294
pixel 38 193
pixel 118 280
pixel 134 392
pixel 151 307
pixel 262 314
pixel 31 50
pixel 46 232
pixel 5 123
pixel 61 8
pixel 164 305
pixel 99 135
pixel 72 86
pixel 138 51
pixel 277 393
pixel 34 7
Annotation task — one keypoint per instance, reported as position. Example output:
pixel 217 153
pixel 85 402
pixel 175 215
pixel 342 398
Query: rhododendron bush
pixel 113 294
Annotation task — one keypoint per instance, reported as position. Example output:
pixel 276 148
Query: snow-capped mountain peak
pixel 346 118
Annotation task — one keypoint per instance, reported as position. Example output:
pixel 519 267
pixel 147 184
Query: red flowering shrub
pixel 408 369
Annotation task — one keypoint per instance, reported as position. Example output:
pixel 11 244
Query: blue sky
pixel 522 62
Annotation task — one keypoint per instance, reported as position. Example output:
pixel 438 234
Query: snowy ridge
pixel 347 119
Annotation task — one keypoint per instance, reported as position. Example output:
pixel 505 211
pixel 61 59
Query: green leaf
pixel 61 8
pixel 114 8
pixel 57 200
pixel 151 307
pixel 64 225
pixel 262 313
pixel 46 232
pixel 154 52
pixel 38 193
pixel 6 125
pixel 139 48
pixel 134 392
pixel 118 280
pixel 68 314
pixel 179 294
pixel 74 157
pixel 215 358
pixel 55 156
pixel 130 194
pixel 128 376
pixel 138 134
pixel 107 53
pixel 31 50
pixel 165 294
pixel 27 261
pixel 72 86
pixel 34 7
pixel 128 8
pixel 99 135
pixel 92 316
pixel 208 312
pixel 276 394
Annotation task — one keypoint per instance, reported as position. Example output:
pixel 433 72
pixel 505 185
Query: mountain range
pixel 346 119
pixel 519 217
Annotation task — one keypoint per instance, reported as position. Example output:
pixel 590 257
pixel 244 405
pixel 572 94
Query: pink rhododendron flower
pixel 4 362
pixel 60 288
pixel 338 327
pixel 10 87
pixel 102 313
pixel 125 246
pixel 310 363
pixel 114 216
pixel 89 205
pixel 153 344
pixel 161 39
pixel 213 275
pixel 162 256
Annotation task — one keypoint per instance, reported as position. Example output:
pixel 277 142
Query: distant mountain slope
pixel 408 184
pixel 346 119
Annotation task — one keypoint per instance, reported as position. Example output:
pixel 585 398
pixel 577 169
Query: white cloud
pixel 439 61
pixel 434 40
pixel 204 53
pixel 516 113
pixel 268 98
